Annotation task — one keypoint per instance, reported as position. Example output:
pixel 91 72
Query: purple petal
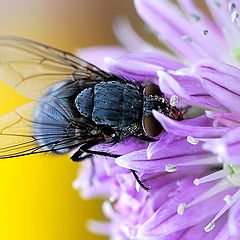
pixel 96 55
pixel 141 66
pixel 222 16
pixel 222 81
pixel 189 127
pixel 199 17
pixel 234 219
pixel 129 38
pixel 223 234
pixel 174 154
pixel 165 222
pixel 169 149
pixel 189 90
pixel 198 230
pixel 159 16
pixel 224 119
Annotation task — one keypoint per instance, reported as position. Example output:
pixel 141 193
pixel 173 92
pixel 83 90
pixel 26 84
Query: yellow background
pixel 37 200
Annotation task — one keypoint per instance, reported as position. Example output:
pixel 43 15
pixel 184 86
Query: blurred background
pixel 37 200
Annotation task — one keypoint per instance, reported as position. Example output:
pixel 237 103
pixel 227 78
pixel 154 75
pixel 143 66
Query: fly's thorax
pixel 113 103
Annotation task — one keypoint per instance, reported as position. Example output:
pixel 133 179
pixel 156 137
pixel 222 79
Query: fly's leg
pixel 139 181
pixel 76 157
pixel 85 149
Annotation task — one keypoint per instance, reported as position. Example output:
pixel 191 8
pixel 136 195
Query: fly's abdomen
pixel 112 103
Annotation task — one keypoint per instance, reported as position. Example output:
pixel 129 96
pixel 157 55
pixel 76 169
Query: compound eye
pixel 152 89
pixel 151 126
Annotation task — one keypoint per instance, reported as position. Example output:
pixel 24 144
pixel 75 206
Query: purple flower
pixel 193 168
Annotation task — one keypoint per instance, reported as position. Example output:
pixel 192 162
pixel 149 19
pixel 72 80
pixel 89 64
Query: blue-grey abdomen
pixel 53 114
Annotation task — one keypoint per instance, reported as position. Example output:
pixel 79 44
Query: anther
pixel 181 208
pixel 234 198
pixel 170 168
pixel 209 227
pixel 192 140
pixel 228 199
pixel 234 16
pixel 196 181
pixel 204 32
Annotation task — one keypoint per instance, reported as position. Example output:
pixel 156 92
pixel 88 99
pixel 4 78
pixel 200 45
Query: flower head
pixel 194 166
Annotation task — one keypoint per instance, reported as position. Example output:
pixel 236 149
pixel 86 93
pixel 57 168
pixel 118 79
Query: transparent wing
pixel 17 136
pixel 31 67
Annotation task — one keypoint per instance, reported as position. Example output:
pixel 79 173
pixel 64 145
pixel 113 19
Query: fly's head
pixel 154 99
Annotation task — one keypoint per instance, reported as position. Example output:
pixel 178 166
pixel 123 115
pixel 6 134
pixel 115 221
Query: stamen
pixel 211 177
pixel 204 161
pixel 170 168
pixel 204 32
pixel 173 100
pixel 234 16
pixel 181 208
pixel 219 187
pixel 235 197
pixel 192 140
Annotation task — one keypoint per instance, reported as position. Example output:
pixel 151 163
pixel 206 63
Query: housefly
pixel 75 104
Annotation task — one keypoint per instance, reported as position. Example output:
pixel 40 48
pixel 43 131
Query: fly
pixel 75 104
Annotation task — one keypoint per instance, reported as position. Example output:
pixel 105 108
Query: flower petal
pixel 165 222
pixel 189 127
pixel 189 90
pixel 141 66
pixel 234 219
pixel 181 34
pixel 96 55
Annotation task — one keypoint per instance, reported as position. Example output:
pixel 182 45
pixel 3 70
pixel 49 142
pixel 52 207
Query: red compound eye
pixel 151 126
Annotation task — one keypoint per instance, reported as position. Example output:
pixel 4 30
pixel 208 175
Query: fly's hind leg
pixel 139 181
